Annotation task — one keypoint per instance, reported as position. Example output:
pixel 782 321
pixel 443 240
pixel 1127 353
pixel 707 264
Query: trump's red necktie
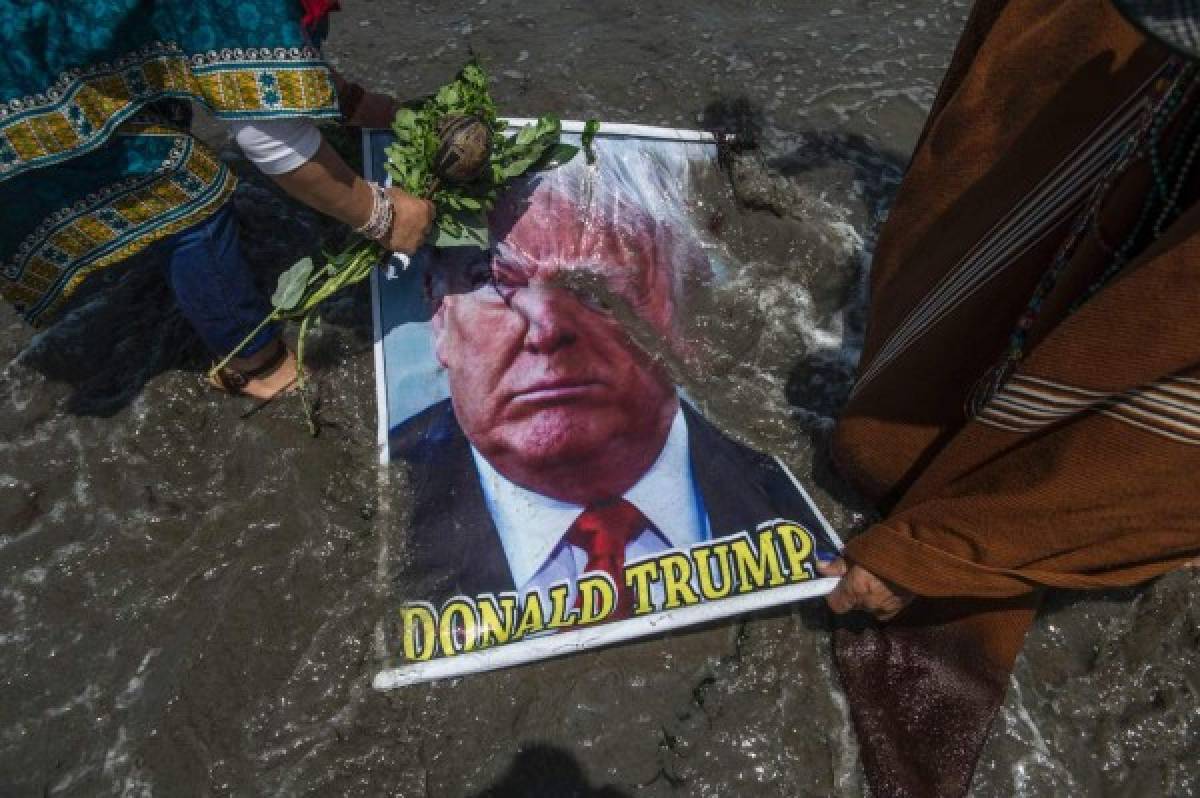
pixel 603 530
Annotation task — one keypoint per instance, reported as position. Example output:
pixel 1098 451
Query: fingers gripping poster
pixel 563 491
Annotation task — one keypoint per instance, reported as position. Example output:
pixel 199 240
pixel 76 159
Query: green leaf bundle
pixel 461 218
pixel 461 207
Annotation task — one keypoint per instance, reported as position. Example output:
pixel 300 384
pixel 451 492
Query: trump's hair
pixel 637 200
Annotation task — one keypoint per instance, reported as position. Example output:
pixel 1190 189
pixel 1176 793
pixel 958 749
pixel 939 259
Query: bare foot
pixel 272 383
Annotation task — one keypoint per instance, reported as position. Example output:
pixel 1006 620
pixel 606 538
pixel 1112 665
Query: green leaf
pixel 448 96
pixel 518 167
pixel 448 222
pixel 461 238
pixel 481 235
pixel 525 137
pixel 558 155
pixel 590 129
pixel 473 75
pixel 398 175
pixel 445 239
pixel 292 285
pixel 404 122
pixel 462 230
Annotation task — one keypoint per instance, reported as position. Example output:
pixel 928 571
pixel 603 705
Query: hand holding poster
pixel 566 494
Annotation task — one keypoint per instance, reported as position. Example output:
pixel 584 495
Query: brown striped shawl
pixel 1081 472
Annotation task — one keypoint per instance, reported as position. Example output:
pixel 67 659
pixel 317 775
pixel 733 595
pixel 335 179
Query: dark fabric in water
pixel 922 694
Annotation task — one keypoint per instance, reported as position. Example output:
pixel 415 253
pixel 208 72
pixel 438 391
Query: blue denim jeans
pixel 213 286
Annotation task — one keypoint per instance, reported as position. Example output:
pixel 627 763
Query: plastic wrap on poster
pixel 563 491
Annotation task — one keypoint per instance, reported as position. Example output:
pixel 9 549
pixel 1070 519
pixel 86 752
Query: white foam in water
pixel 133 689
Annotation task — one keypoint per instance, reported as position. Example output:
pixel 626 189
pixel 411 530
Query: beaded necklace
pixel 1171 91
pixel 1183 158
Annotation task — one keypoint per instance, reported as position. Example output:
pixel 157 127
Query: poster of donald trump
pixel 565 491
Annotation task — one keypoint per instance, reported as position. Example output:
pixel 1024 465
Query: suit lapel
pixel 730 485
pixel 456 547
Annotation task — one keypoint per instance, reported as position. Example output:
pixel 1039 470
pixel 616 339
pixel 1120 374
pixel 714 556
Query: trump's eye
pixel 506 280
pixel 473 275
pixel 592 290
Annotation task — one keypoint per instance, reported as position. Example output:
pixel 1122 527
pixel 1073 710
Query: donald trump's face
pixel 545 382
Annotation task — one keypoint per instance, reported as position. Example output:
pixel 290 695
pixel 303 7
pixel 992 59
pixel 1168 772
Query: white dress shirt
pixel 532 526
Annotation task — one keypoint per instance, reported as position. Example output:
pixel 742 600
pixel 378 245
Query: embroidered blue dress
pixel 89 175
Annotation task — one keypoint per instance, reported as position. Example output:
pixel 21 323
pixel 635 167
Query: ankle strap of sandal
pixel 234 380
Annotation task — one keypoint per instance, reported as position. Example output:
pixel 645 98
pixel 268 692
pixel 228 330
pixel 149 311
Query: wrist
pixel 378 224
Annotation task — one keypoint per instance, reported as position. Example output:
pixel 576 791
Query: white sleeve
pixel 277 146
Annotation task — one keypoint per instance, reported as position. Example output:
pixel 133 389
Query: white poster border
pixel 576 640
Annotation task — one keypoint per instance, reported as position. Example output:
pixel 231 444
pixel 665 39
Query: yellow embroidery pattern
pixel 83 108
pixel 116 223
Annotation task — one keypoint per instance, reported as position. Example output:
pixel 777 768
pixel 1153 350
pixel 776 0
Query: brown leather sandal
pixel 233 381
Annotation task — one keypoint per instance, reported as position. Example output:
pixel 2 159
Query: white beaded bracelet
pixel 379 224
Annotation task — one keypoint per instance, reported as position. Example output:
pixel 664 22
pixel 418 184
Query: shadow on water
pixel 820 382
pixel 875 171
pixel 795 208
pixel 120 331
pixel 735 117
pixel 546 771
pixel 857 174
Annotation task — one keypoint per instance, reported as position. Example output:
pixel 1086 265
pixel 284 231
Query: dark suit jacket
pixel 453 547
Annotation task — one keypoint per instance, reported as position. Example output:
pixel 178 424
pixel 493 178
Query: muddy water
pixel 188 597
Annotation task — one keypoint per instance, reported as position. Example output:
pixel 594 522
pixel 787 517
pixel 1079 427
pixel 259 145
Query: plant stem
pixel 308 415
pixel 225 362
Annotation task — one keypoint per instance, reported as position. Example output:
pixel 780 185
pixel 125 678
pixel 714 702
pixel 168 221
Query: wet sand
pixel 188 598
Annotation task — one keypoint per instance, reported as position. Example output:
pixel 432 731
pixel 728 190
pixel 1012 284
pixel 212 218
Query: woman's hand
pixel 411 223
pixel 859 589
